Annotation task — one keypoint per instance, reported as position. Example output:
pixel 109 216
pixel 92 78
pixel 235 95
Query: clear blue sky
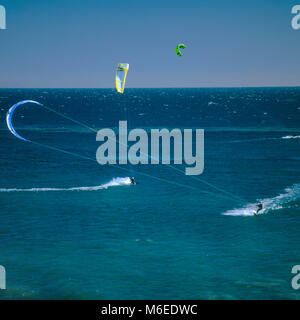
pixel 68 43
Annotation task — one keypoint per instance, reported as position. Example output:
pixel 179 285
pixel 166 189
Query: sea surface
pixel 73 229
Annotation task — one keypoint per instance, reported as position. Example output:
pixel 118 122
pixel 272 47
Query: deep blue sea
pixel 73 229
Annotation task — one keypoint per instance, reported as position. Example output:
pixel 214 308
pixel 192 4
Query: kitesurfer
pixel 132 181
pixel 259 208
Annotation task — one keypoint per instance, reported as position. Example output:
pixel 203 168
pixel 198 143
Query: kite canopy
pixel 121 76
pixel 180 46
pixel 10 114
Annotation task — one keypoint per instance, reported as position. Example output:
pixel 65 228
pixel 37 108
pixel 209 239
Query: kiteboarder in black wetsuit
pixel 259 208
pixel 132 181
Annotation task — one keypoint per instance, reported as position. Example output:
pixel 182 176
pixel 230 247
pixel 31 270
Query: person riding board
pixel 132 181
pixel 259 208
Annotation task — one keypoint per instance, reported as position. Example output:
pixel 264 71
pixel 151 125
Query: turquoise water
pixel 71 228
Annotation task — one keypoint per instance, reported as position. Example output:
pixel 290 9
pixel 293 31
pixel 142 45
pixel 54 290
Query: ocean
pixel 73 229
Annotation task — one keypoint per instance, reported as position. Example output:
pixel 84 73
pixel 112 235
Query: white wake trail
pixel 281 201
pixel 291 137
pixel 113 183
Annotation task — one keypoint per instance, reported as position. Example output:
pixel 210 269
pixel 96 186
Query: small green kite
pixel 180 46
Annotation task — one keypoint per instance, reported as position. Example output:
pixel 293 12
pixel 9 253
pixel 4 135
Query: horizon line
pixel 95 88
